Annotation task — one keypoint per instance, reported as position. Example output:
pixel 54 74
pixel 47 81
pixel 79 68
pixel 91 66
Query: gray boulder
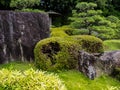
pixel 96 64
pixel 19 32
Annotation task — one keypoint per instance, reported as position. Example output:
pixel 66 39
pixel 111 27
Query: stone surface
pixel 86 63
pixel 19 32
pixel 93 65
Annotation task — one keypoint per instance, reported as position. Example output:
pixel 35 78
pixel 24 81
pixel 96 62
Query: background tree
pixel 85 17
pixel 4 4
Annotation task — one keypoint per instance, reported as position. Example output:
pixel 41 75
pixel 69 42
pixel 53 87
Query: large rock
pixel 93 65
pixel 19 32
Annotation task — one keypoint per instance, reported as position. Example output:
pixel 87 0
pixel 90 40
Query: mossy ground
pixel 73 80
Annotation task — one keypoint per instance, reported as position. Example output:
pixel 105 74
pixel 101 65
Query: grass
pixel 73 80
pixel 17 66
pixel 112 45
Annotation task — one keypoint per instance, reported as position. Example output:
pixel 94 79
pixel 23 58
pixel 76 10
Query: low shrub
pixel 29 80
pixel 62 31
pixel 89 43
pixel 67 31
pixel 58 32
pixel 56 53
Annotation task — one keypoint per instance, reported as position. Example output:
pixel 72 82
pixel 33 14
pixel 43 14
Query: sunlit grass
pixel 112 45
pixel 75 80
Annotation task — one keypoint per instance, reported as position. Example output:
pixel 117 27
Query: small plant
pixel 29 80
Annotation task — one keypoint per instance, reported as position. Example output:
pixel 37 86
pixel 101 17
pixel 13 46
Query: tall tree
pixel 86 17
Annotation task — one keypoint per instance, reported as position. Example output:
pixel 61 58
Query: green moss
pixel 56 53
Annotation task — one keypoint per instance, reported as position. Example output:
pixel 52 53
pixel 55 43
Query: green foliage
pixel 29 80
pixel 56 53
pixel 22 4
pixel 75 80
pixel 85 17
pixel 58 32
pixel 111 45
pixel 116 73
pixel 30 10
pixel 89 43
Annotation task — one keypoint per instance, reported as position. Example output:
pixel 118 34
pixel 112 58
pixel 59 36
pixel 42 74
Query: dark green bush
pixel 56 53
pixel 89 43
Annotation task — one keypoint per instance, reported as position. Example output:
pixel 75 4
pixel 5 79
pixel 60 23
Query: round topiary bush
pixel 29 80
pixel 56 53
pixel 89 43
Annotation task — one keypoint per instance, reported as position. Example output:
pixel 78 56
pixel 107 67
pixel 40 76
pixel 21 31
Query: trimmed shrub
pixel 29 80
pixel 62 31
pixel 89 43
pixel 67 31
pixel 58 32
pixel 56 53
pixel 59 53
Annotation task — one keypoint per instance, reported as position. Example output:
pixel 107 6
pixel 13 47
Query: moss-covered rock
pixel 56 53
